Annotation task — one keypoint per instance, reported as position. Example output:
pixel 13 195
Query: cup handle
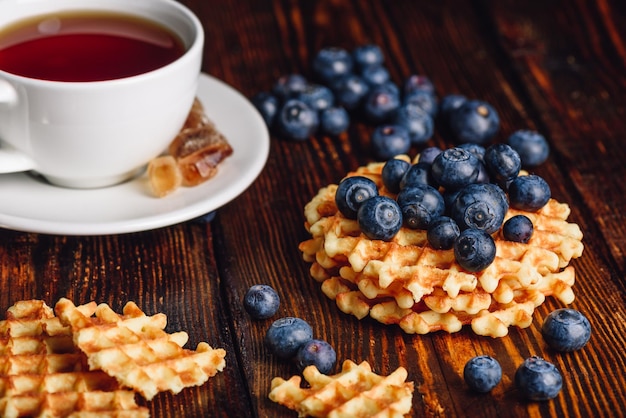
pixel 12 160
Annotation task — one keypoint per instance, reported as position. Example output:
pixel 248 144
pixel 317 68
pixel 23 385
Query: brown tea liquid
pixel 86 46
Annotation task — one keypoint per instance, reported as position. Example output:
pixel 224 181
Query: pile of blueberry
pixel 459 196
pixel 537 379
pixel 288 338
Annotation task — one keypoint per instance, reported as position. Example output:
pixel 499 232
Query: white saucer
pixel 32 205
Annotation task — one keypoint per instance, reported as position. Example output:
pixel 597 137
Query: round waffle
pixel 405 281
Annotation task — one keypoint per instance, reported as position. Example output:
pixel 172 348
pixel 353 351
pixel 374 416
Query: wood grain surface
pixel 555 66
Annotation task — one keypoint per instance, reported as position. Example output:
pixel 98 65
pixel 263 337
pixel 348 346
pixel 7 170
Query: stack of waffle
pixel 354 392
pixel 407 282
pixel 81 365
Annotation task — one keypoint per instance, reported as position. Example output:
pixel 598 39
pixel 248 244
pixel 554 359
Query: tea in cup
pixel 91 90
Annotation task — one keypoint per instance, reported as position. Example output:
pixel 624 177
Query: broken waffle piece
pixel 135 349
pixel 405 281
pixel 42 373
pixel 355 392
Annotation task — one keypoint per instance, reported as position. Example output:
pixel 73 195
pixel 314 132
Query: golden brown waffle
pixel 355 392
pixel 407 282
pixel 135 349
pixel 42 374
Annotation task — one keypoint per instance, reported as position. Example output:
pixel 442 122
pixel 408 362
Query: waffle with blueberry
pixel 354 392
pixel 42 373
pixel 403 279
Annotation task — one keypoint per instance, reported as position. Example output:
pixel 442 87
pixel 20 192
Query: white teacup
pixel 86 134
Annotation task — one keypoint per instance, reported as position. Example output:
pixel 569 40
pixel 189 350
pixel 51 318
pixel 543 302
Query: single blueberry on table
pixel 392 173
pixel 206 218
pixel 529 193
pixel 367 55
pixel 318 97
pixel 420 124
pixel 375 75
pixel 418 173
pixel 331 63
pixel 268 105
pixel 381 104
pixel 316 353
pixel 286 335
pixel 334 120
pixel 352 192
pixel 448 104
pixel 474 121
pixel 423 100
pixel 380 218
pixel 428 154
pixel 455 168
pixel 350 91
pixel 531 146
pixel 289 85
pixel 518 228
pixel 261 301
pixel 474 249
pixel 297 120
pixel 482 373
pixel 566 330
pixel 442 232
pixel 538 379
pixel 420 204
pixel 503 164
pixel 480 206
pixel 389 140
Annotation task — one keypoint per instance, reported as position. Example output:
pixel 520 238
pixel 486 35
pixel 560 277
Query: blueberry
pixel 334 121
pixel 518 228
pixel 316 353
pixel 286 335
pixel 480 206
pixel 297 120
pixel 367 55
pixel 455 168
pixel 474 121
pixel 331 63
pixel 476 149
pixel 381 104
pixel 529 193
pixel 538 379
pixel 380 218
pixel 442 232
pixel 503 164
pixel 318 97
pixel 566 330
pixel 482 373
pixel 392 173
pixel 428 154
pixel 474 249
pixel 267 104
pixel 423 100
pixel 389 140
pixel 261 301
pixel 420 204
pixel 531 146
pixel 289 86
pixel 417 82
pixel 417 174
pixel 448 104
pixel 419 124
pixel 375 75
pixel 352 192
pixel 350 91
pixel 206 218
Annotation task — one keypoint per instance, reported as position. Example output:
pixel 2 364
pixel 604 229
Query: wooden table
pixel 555 66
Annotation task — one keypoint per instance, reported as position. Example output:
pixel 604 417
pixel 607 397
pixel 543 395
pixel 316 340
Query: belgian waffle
pixel 355 392
pixel 407 282
pixel 135 350
pixel 42 373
